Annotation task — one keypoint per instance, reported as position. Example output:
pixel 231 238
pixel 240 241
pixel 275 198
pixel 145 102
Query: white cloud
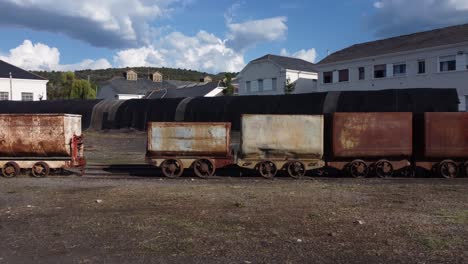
pixel 395 17
pixel 204 52
pixel 44 58
pixel 309 55
pixel 247 34
pixel 86 64
pixel 232 11
pixel 104 23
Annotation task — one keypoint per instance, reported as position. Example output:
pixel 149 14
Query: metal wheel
pixel 383 169
pixel 409 172
pixel 267 169
pixel 204 168
pixel 447 169
pixel 296 169
pixel 40 170
pixel 10 170
pixel 358 169
pixel 172 168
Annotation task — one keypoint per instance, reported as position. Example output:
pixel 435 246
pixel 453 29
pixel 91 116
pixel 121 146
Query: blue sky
pixel 204 35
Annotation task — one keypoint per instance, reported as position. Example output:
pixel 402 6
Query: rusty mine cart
pixel 40 143
pixel 204 147
pixel 270 143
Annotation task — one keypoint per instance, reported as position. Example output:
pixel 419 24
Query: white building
pixel 269 74
pixel 431 59
pixel 20 85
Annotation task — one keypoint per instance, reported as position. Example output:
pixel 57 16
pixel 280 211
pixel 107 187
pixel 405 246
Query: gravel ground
pixel 232 220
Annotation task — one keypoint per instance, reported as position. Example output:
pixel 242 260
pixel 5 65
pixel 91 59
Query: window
pixel 247 86
pixel 274 82
pixel 421 67
pixel 260 84
pixel 4 96
pixel 254 86
pixel 362 73
pixel 399 69
pixel 380 71
pixel 327 77
pixel 466 103
pixel 267 84
pixel 343 75
pixel 447 63
pixel 26 96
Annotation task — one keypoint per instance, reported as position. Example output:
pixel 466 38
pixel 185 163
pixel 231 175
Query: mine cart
pixel 445 150
pixel 40 143
pixel 204 147
pixel 371 144
pixel 293 143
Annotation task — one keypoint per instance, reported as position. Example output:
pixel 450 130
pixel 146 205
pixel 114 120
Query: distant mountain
pixel 101 76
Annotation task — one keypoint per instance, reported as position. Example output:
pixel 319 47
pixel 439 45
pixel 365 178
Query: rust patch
pixel 352 129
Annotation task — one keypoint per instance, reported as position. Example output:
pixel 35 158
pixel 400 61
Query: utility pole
pixel 11 87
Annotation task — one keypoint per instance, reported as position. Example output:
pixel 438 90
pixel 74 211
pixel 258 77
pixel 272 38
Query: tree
pixel 67 78
pixel 228 82
pixel 289 87
pixel 81 89
pixel 60 85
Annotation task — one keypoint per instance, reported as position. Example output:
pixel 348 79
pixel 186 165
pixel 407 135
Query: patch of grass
pixel 314 216
pixel 449 189
pixel 433 242
pixel 174 246
pixel 239 204
pixel 458 217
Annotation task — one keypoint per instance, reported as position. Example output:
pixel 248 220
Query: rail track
pixel 143 171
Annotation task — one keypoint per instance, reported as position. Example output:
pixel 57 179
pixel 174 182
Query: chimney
pixel 131 75
pixel 206 79
pixel 157 77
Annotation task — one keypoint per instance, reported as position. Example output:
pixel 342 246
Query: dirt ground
pixel 228 219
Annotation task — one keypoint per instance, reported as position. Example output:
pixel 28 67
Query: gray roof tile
pixel 192 90
pixel 420 40
pixel 16 72
pixel 289 63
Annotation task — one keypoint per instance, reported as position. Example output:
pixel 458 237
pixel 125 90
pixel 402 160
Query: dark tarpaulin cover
pixel 136 113
pixel 78 107
pixel 231 108
pixel 416 100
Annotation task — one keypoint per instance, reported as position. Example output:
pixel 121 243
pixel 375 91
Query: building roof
pixel 289 63
pixel 177 83
pixel 420 40
pixel 16 72
pixel 154 90
pixel 120 85
pixel 192 90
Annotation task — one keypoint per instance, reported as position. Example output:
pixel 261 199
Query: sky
pixel 206 35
